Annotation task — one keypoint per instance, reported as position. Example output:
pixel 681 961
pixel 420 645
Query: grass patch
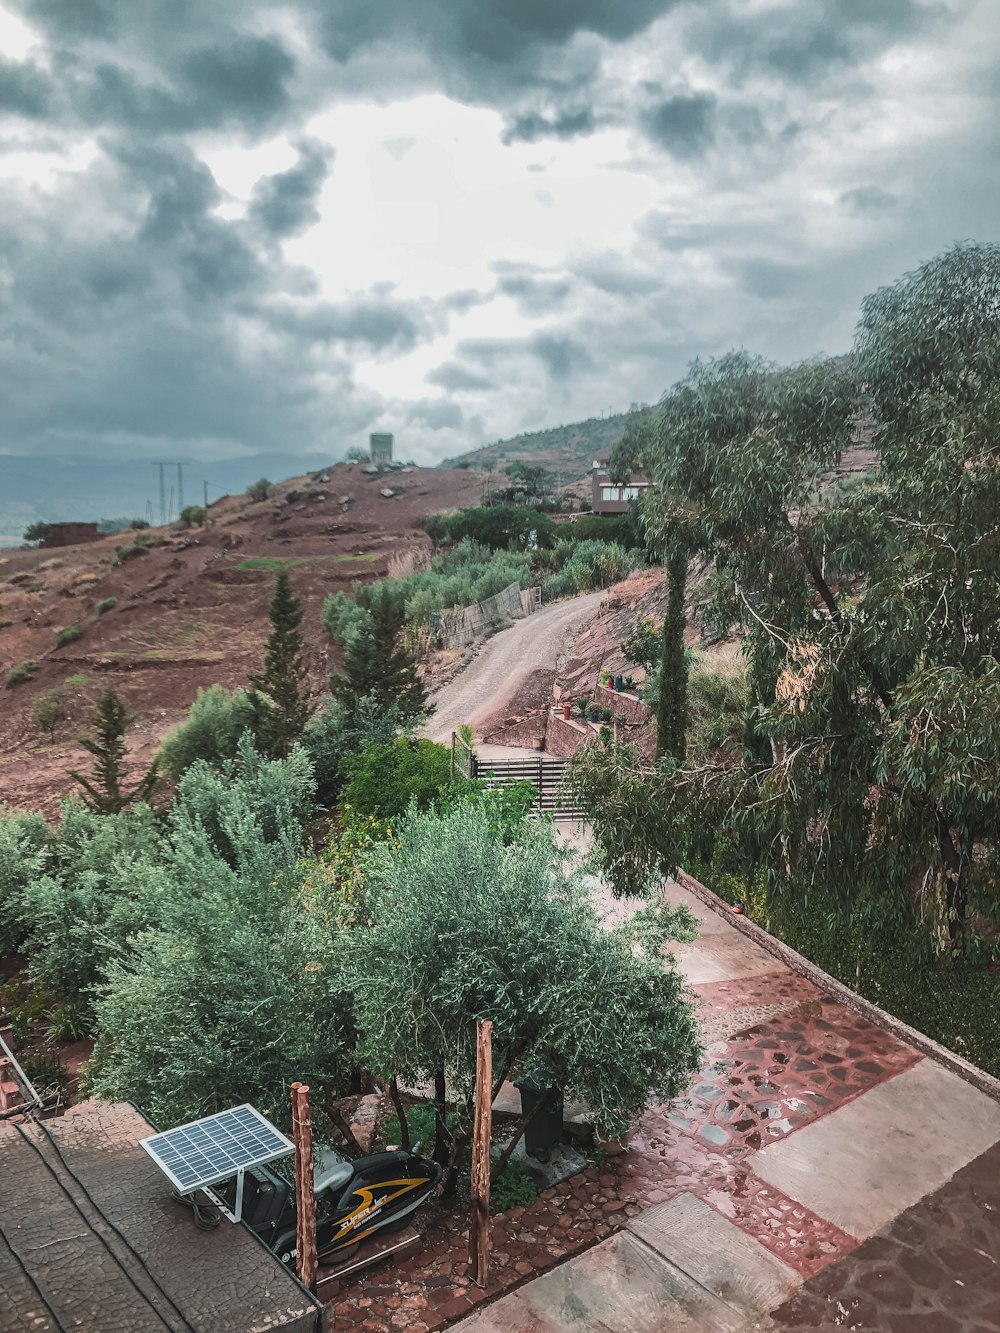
pixel 271 562
pixel 276 563
pixel 21 673
pixel 81 678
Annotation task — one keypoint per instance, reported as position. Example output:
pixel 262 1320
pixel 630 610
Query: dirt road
pixel 536 641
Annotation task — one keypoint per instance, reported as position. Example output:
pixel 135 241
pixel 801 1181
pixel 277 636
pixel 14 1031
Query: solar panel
pixel 207 1151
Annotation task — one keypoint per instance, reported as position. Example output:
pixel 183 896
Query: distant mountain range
pixel 567 451
pixel 57 490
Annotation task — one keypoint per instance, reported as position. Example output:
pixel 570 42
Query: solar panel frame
pixel 207 1151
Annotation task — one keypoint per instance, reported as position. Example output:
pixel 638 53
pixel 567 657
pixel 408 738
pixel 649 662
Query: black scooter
pixel 354 1200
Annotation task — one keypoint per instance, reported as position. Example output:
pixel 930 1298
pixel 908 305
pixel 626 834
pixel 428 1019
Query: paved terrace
pixel 822 1172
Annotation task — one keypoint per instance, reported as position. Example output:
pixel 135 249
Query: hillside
pixel 56 489
pixel 191 611
pixel 566 450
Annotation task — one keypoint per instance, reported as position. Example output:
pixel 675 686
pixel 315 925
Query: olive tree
pixel 470 921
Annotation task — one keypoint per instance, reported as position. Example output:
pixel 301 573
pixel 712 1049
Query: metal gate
pixel 546 775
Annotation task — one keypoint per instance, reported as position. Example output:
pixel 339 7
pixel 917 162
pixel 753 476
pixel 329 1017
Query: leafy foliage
pixel 105 605
pixel 259 490
pixel 50 709
pixel 465 925
pixel 212 730
pixel 19 674
pixel 382 780
pixel 498 527
pixel 69 634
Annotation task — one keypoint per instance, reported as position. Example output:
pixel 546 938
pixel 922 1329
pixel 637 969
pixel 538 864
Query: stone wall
pixel 563 738
pixel 633 710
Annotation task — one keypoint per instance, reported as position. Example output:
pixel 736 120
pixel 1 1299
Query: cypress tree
pixel 104 791
pixel 280 695
pixel 671 711
pixel 377 663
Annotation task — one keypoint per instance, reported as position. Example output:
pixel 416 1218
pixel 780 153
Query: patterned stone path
pixel 809 1059
pixel 935 1269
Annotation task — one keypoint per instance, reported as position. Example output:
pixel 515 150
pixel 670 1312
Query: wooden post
pixel 482 1129
pixel 305 1197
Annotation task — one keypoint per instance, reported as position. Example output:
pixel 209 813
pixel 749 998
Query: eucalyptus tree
pixel 868 609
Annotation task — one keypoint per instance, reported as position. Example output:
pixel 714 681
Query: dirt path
pixel 537 641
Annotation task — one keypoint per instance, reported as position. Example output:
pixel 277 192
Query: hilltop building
pixel 609 497
pixel 380 448
pixel 70 534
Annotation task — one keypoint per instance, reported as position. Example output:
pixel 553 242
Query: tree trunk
pixel 440 1128
pixel 404 1127
pixel 671 713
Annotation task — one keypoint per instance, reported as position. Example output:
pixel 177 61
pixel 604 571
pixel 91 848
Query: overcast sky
pixel 228 227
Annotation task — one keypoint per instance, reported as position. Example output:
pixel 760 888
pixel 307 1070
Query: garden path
pixel 820 1173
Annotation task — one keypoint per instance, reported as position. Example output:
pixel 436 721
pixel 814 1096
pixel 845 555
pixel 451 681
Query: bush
pixel 106 604
pixel 383 779
pixel 36 532
pixel 19 674
pixel 50 709
pixel 259 490
pixel 215 722
pixel 68 634
pixel 515 1188
pixel 334 733
pixel 138 524
pixel 193 516
pixel 132 550
pixel 621 528
pixel 500 528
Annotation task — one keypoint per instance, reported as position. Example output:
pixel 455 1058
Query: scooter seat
pixel 330 1170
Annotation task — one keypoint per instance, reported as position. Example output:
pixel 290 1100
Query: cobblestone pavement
pixel 935 1269
pixel 801 1064
pixel 781 1056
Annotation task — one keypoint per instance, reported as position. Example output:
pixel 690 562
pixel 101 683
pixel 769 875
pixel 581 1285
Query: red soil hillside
pixel 191 612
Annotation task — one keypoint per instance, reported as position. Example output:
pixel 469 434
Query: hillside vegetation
pixel 567 450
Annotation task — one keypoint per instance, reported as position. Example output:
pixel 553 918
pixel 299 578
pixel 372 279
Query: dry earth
pixel 191 612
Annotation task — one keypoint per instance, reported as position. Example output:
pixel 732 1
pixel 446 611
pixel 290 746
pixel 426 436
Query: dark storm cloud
pixel 531 126
pixel 377 321
pixel 535 291
pixel 464 34
pixel 458 378
pixel 24 89
pixel 684 124
pixel 285 203
pixel 806 39
pixel 560 355
pixel 436 413
pixel 868 200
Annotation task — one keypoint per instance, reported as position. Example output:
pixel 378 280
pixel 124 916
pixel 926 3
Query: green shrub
pixel 19 674
pixel 131 551
pixel 68 634
pixel 106 604
pixel 500 527
pixel 215 722
pixel 514 1188
pixel 50 709
pixel 420 1119
pixel 383 779
pixel 334 733
pixel 193 516
pixel 621 528
pixel 259 490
